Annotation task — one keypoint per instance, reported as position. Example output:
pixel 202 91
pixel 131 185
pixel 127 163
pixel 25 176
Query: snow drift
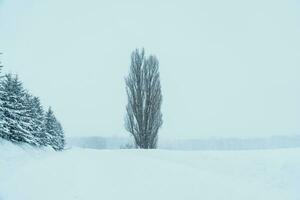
pixel 86 174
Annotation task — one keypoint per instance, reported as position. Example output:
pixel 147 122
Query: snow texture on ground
pixel 86 174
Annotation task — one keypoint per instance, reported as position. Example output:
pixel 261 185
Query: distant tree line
pixel 23 119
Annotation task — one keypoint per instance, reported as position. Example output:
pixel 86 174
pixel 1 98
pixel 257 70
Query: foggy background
pixel 228 68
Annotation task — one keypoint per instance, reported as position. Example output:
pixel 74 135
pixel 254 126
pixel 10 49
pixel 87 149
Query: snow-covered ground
pixel 86 174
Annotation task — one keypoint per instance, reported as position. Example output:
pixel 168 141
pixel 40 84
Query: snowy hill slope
pixel 86 174
pixel 13 157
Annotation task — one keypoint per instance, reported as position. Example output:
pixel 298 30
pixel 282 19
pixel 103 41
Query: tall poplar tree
pixel 144 117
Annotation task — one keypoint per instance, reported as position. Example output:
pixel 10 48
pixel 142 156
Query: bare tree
pixel 144 117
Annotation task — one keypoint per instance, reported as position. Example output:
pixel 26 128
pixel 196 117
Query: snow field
pixel 85 174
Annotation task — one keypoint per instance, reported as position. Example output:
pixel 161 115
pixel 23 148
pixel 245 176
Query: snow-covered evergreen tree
pixel 60 136
pixel 16 123
pixel 54 131
pixel 1 107
pixel 22 117
pixel 50 128
pixel 36 115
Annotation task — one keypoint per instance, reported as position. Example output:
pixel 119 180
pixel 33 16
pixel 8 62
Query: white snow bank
pixel 13 157
pixel 85 174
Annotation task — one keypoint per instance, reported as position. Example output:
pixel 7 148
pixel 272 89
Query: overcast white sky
pixel 228 68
